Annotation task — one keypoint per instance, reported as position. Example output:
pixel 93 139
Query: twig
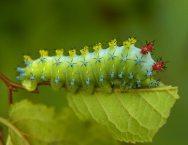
pixel 12 86
pixel 15 130
pixel 1 137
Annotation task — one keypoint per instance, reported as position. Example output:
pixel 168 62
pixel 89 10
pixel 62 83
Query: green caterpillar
pixel 126 67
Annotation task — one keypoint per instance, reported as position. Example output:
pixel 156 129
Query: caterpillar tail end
pixel 29 85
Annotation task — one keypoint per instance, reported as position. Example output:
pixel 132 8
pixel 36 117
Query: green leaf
pixel 84 132
pixel 9 142
pixel 132 116
pixel 37 124
pixel 33 124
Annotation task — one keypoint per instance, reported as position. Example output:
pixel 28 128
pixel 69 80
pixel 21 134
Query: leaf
pixel 84 132
pixel 36 123
pixel 133 116
pixel 9 142
pixel 32 124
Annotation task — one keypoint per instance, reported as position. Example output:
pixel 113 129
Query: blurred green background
pixel 28 25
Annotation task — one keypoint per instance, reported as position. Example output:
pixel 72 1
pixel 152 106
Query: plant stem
pixel 9 142
pixel 1 137
pixel 14 129
pixel 12 86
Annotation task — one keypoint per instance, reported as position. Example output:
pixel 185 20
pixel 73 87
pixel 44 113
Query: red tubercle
pixel 148 47
pixel 159 66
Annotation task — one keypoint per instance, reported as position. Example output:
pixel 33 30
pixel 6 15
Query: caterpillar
pixel 126 67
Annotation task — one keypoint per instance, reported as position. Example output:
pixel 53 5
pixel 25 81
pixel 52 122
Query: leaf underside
pixel 39 125
pixel 132 116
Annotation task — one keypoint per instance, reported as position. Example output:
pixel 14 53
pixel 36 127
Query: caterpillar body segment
pixel 124 66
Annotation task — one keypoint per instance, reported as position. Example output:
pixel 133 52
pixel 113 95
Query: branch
pixel 1 137
pixel 14 129
pixel 12 86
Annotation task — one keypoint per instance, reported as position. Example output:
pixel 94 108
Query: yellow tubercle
pixel 84 51
pixel 132 40
pixel 129 42
pixel 27 58
pixel 43 53
pixel 72 53
pixel 113 43
pixel 59 52
pixel 97 47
